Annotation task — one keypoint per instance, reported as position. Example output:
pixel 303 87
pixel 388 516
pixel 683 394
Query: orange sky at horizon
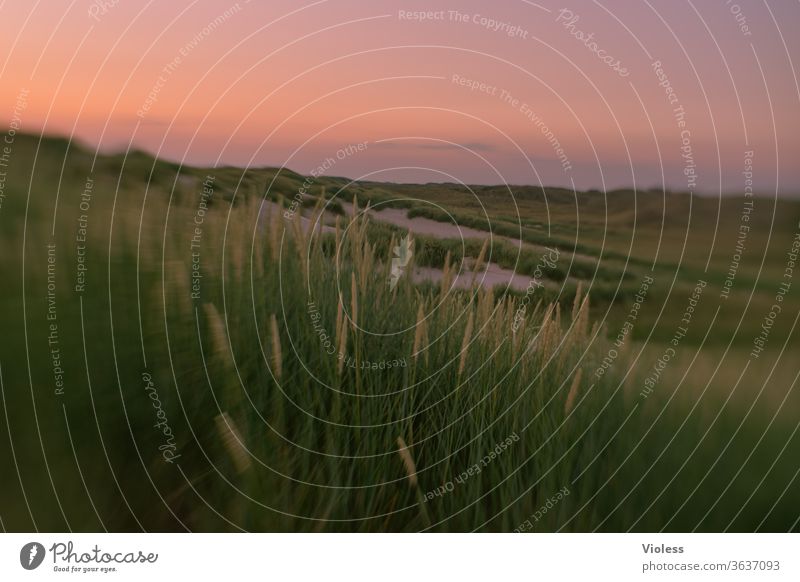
pixel 284 83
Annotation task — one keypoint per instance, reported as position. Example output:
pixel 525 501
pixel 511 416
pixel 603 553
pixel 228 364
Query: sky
pixel 595 95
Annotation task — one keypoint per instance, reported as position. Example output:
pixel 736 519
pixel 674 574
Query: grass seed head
pixel 465 342
pixel 218 338
pixel 419 331
pixel 234 444
pixel 277 357
pixel 408 462
pixel 573 392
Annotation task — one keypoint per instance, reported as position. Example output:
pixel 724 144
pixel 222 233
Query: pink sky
pixel 283 82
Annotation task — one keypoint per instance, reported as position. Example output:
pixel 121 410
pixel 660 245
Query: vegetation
pixel 449 410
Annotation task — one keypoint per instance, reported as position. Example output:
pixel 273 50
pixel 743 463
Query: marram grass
pixel 347 435
pixel 372 418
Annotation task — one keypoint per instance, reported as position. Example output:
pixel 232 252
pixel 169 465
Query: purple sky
pixel 477 92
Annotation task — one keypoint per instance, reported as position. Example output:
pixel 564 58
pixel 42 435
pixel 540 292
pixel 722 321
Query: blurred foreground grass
pixel 154 399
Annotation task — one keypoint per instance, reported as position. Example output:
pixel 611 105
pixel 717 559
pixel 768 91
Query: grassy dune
pixel 291 388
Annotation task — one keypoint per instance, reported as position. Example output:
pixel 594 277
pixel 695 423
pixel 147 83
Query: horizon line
pixel 82 144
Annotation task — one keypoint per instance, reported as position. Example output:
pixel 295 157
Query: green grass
pixel 314 441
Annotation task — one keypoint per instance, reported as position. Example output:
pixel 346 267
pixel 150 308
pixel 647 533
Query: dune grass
pixel 448 410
